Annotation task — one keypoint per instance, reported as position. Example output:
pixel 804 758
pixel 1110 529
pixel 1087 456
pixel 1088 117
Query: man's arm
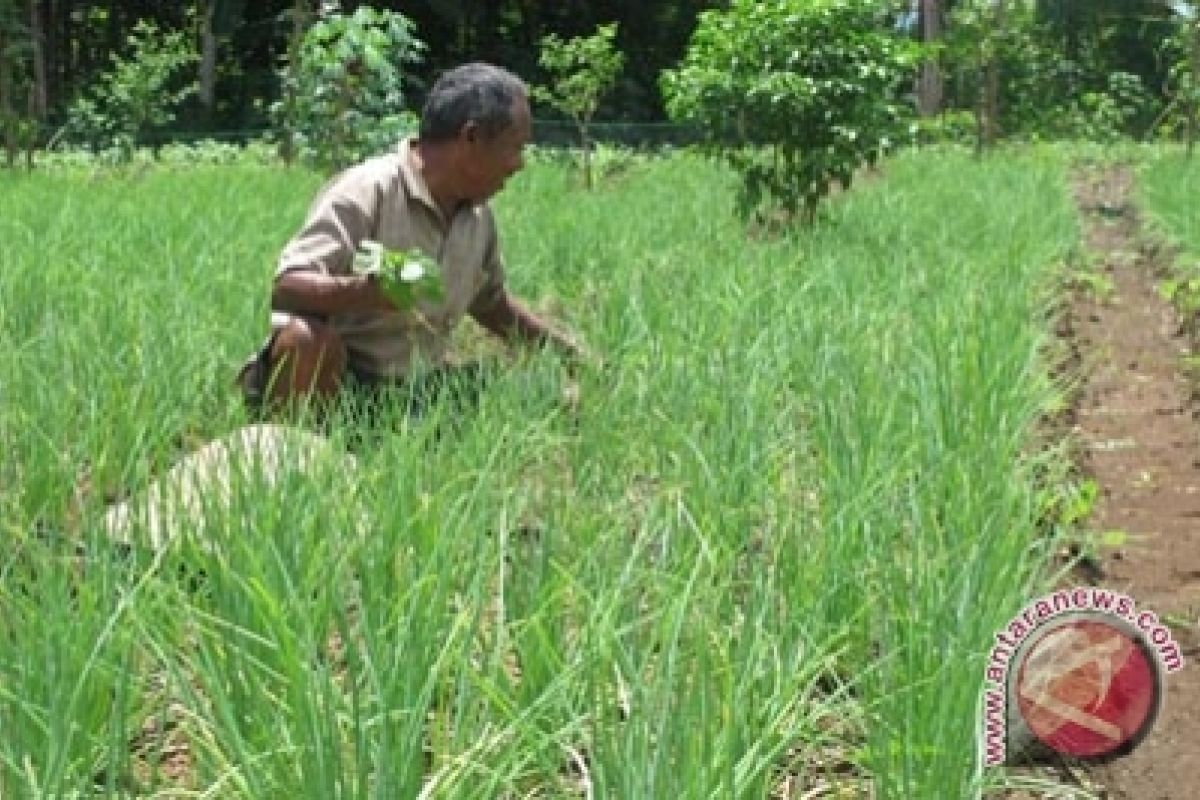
pixel 512 321
pixel 315 275
pixel 312 292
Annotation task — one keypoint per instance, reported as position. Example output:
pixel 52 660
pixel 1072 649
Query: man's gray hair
pixel 479 93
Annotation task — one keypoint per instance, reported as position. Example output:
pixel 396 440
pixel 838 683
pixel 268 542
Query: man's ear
pixel 469 132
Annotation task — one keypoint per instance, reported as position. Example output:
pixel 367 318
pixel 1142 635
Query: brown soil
pixel 1136 424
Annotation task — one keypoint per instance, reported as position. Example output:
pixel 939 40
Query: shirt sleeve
pixel 493 271
pixel 343 215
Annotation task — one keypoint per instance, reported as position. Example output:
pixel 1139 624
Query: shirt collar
pixel 414 181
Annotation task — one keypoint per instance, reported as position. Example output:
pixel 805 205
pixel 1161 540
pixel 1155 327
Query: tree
pixel 929 84
pixel 18 128
pixel 9 33
pixel 206 84
pixel 795 95
pixel 1194 82
pixel 299 16
pixel 137 93
pixel 1049 69
pixel 1183 53
pixel 581 70
pixel 1108 35
pixel 989 103
pixel 345 92
pixel 982 33
pixel 250 40
pixel 37 52
pixel 978 36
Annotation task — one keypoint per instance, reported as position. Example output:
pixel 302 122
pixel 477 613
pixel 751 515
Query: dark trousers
pixel 370 397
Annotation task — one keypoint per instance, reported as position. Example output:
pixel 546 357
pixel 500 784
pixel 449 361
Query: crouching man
pixel 334 324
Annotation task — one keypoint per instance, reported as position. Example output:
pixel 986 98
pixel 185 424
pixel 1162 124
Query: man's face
pixel 491 160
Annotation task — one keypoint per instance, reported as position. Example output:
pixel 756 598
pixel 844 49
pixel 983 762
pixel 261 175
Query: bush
pixel 949 127
pixel 138 92
pixel 581 71
pixel 1108 115
pixel 796 95
pixel 209 151
pixel 167 156
pixel 1042 92
pixel 344 98
pixel 1181 53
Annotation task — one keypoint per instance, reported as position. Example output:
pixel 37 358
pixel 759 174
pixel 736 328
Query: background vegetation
pixel 1057 51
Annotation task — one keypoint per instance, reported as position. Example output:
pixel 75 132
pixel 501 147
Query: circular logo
pixel 1088 686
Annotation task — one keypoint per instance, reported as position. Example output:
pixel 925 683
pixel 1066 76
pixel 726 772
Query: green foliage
pixel 344 99
pixel 983 42
pixel 17 130
pixel 949 127
pixel 208 151
pixel 1108 114
pixel 795 95
pixel 1181 52
pixel 140 91
pixel 1086 106
pixel 1108 35
pixel 1183 293
pixel 581 70
pixel 407 277
pixel 166 157
pixel 1046 86
pixel 14 33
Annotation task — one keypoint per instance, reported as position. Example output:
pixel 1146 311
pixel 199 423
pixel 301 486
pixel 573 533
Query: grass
pixel 1166 194
pixel 768 548
pixel 1167 183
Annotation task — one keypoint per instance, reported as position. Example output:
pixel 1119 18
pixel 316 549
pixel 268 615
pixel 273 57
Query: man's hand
pixel 405 277
pixel 510 320
pixel 570 397
pixel 578 356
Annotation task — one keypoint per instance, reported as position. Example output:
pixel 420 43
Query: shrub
pixel 138 92
pixel 344 98
pixel 1181 52
pixel 581 71
pixel 949 127
pixel 796 95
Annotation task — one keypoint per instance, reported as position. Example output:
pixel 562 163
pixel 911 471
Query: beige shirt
pixel 386 199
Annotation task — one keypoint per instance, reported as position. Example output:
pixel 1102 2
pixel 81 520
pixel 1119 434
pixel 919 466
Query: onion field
pixel 760 553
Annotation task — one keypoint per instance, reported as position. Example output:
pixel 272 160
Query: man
pixel 331 324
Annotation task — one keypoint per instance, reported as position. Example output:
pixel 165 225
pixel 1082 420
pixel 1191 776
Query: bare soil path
pixel 1136 422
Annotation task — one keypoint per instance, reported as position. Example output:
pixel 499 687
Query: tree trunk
pixel 531 24
pixel 51 30
pixel 981 116
pixel 37 38
pixel 463 34
pixel 991 103
pixel 7 117
pixel 208 61
pixel 991 128
pixel 287 142
pixel 586 142
pixel 929 84
pixel 31 134
pixel 1194 99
